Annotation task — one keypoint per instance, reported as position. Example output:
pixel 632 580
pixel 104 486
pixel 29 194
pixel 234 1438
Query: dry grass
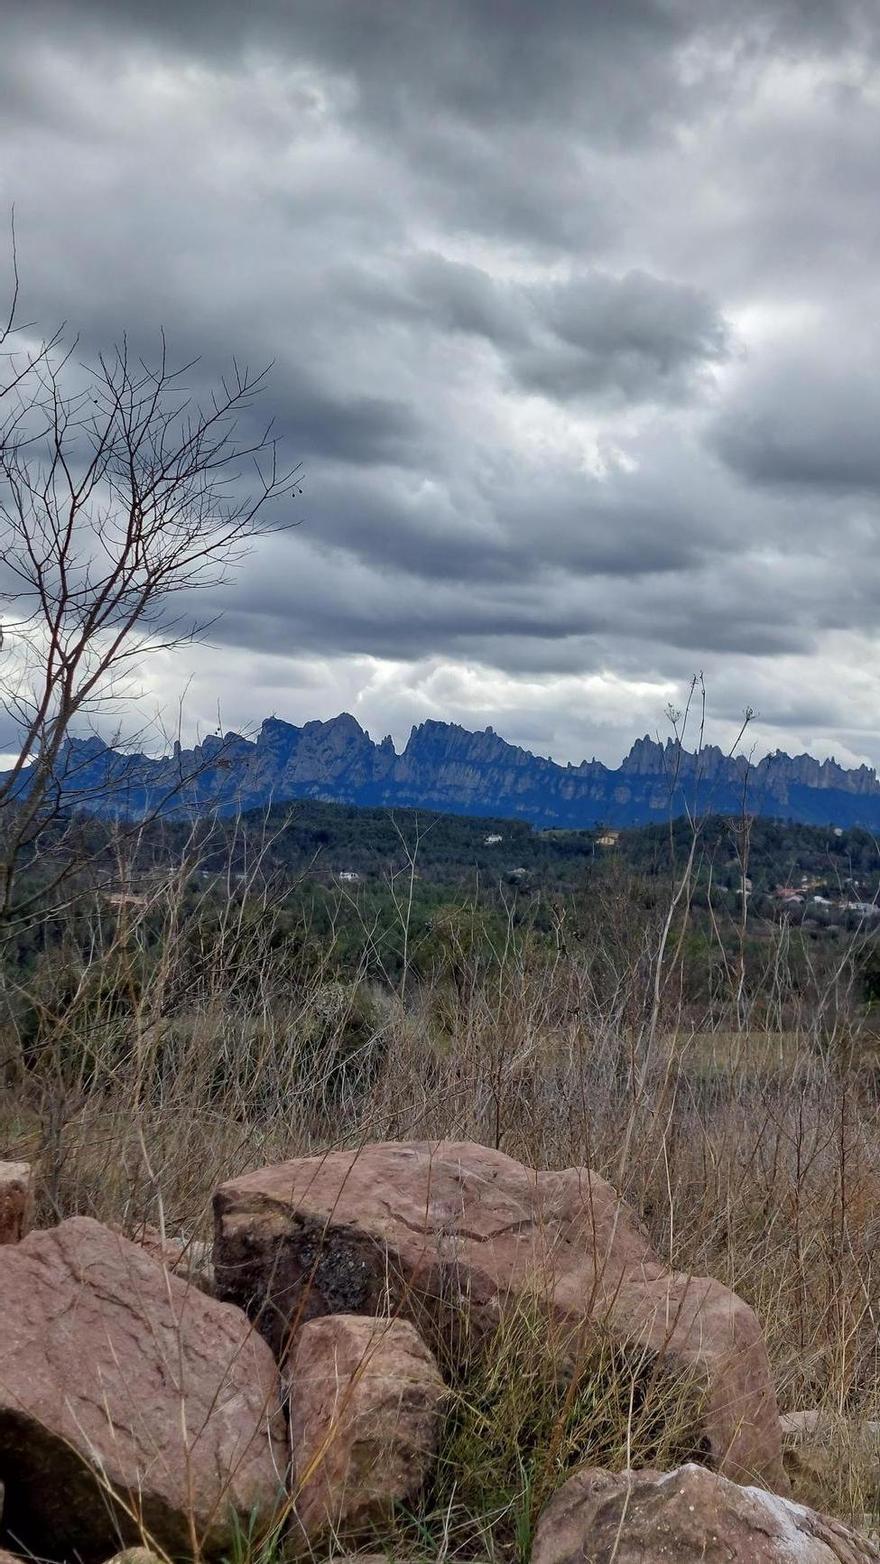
pixel 535 1407
pixel 752 1155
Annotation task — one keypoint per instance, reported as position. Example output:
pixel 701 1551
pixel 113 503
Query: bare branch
pixel 118 495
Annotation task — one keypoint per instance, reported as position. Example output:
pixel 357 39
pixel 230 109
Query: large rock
pixel 365 1412
pixel 827 1427
pixel 135 1556
pixel 110 1365
pixel 189 1258
pixel 692 1516
pixel 16 1201
pixel 816 1441
pixel 450 1234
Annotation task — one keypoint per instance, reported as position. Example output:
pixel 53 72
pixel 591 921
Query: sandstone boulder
pixel 365 1410
pixel 816 1441
pixel 135 1556
pixel 189 1258
pixel 16 1201
pixel 131 1406
pixel 450 1234
pixel 827 1427
pixel 692 1516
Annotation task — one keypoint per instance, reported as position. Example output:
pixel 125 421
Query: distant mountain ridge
pixel 445 767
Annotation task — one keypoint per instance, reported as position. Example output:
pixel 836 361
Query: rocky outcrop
pixel 16 1201
pixel 451 1235
pixel 446 767
pixel 692 1516
pixel 365 1409
pixel 130 1404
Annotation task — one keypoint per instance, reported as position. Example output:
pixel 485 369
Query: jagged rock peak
pixel 446 767
pixel 432 736
pixel 88 748
pixel 344 723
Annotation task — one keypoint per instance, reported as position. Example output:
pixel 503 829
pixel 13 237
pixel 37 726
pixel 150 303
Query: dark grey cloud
pixel 643 337
pixel 635 336
pixel 573 318
pixel 481 65
pixel 357 430
pixel 810 423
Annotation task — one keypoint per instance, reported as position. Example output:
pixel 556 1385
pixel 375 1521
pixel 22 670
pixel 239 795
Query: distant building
pixel 348 874
pixel 492 839
pixel 608 839
pixel 864 909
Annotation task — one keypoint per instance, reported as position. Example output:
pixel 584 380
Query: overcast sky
pixel 575 314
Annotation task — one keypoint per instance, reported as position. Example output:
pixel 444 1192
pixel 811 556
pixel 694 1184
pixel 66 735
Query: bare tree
pixel 121 496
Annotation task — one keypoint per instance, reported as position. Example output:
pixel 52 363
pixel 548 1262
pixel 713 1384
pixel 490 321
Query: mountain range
pixel 445 767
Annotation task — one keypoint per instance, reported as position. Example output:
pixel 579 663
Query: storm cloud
pixel 573 318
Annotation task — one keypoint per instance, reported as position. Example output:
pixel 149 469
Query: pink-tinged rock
pixel 135 1556
pixel 365 1411
pixel 451 1234
pixel 691 1516
pixel 16 1201
pixel 188 1258
pixel 132 1407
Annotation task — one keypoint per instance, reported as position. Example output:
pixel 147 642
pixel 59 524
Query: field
pixel 165 1039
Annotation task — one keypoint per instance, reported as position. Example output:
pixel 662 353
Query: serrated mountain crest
pixel 447 767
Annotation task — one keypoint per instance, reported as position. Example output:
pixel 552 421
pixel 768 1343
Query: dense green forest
pixel 332 842
pixel 367 891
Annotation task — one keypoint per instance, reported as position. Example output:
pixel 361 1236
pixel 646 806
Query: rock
pixel 189 1258
pixel 105 1359
pixel 803 1425
pixel 16 1201
pixel 692 1516
pixel 6 1558
pixel 817 1423
pixel 365 1411
pixel 817 1441
pixel 136 1556
pixel 450 1234
pixel 397 1558
pixel 365 1558
pixel 353 1558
